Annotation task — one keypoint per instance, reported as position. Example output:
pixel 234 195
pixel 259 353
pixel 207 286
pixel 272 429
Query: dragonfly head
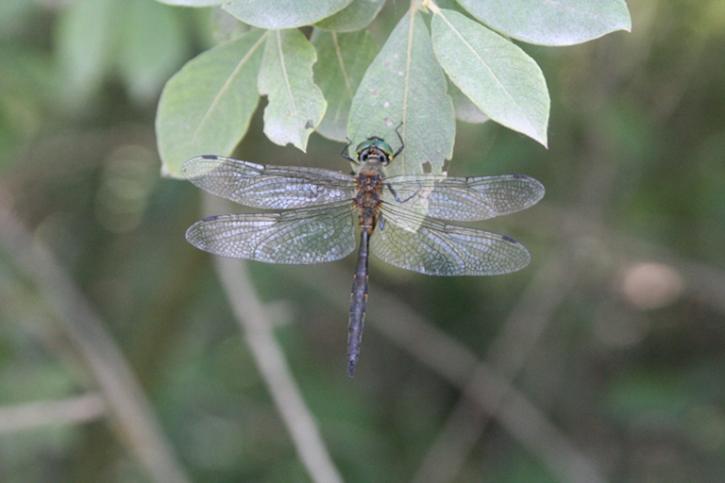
pixel 373 151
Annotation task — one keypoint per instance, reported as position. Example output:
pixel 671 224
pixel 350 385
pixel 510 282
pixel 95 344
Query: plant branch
pixel 125 401
pixel 456 363
pixel 507 355
pixel 257 328
pixel 38 414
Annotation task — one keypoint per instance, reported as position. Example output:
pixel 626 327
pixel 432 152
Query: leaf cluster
pixel 437 64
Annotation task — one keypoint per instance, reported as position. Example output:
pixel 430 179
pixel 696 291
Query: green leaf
pixel 218 26
pixel 283 14
pixel 14 15
pixel 192 3
pixel 206 107
pixel 85 47
pixel 564 22
pixel 499 77
pixel 296 104
pixel 152 47
pixel 355 16
pixel 466 110
pixel 405 84
pixel 338 72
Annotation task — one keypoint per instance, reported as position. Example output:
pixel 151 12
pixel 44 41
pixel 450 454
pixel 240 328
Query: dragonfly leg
pixel 395 195
pixel 402 144
pixel 346 152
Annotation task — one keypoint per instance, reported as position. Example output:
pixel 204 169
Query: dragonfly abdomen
pixel 367 201
pixel 358 303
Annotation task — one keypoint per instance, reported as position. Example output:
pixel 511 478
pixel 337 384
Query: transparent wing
pixel 463 199
pixel 312 235
pixel 269 187
pixel 408 240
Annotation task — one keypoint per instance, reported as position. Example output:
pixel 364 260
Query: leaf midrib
pixel 227 85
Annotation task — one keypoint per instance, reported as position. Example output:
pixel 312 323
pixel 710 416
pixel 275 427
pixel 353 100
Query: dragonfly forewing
pixel 463 199
pixel 268 187
pixel 409 241
pixel 312 235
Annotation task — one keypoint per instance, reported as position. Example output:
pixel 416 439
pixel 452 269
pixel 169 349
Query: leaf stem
pixel 430 5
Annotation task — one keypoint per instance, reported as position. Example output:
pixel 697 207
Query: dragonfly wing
pixel 268 187
pixel 312 235
pixel 464 199
pixel 408 240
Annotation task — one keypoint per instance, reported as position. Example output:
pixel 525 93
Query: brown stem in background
pixel 125 401
pixel 273 367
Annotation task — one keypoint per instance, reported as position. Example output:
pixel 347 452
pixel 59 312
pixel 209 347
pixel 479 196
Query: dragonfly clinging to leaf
pixel 398 217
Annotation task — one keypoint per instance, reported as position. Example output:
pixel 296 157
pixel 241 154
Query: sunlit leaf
pixel 220 26
pixel 283 14
pixel 192 3
pixel 296 104
pixel 499 77
pixel 563 22
pixel 206 107
pixel 466 110
pixel 354 17
pixel 405 84
pixel 151 47
pixel 343 59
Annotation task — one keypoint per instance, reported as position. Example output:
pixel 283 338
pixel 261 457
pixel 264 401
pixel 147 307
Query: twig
pixel 521 418
pixel 80 409
pixel 507 354
pixel 703 281
pixel 456 363
pixel 125 400
pixel 252 318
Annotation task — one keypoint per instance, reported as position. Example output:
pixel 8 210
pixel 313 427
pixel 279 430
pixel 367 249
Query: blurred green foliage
pixel 631 363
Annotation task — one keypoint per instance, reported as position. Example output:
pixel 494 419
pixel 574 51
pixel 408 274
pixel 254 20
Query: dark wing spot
pixel 520 176
pixel 509 239
pixel 210 218
pixel 210 156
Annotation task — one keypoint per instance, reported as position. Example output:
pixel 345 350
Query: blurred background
pixel 604 360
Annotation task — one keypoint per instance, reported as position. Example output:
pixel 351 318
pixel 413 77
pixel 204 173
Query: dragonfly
pixel 401 219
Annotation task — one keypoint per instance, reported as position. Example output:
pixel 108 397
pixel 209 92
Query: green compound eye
pixel 374 143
